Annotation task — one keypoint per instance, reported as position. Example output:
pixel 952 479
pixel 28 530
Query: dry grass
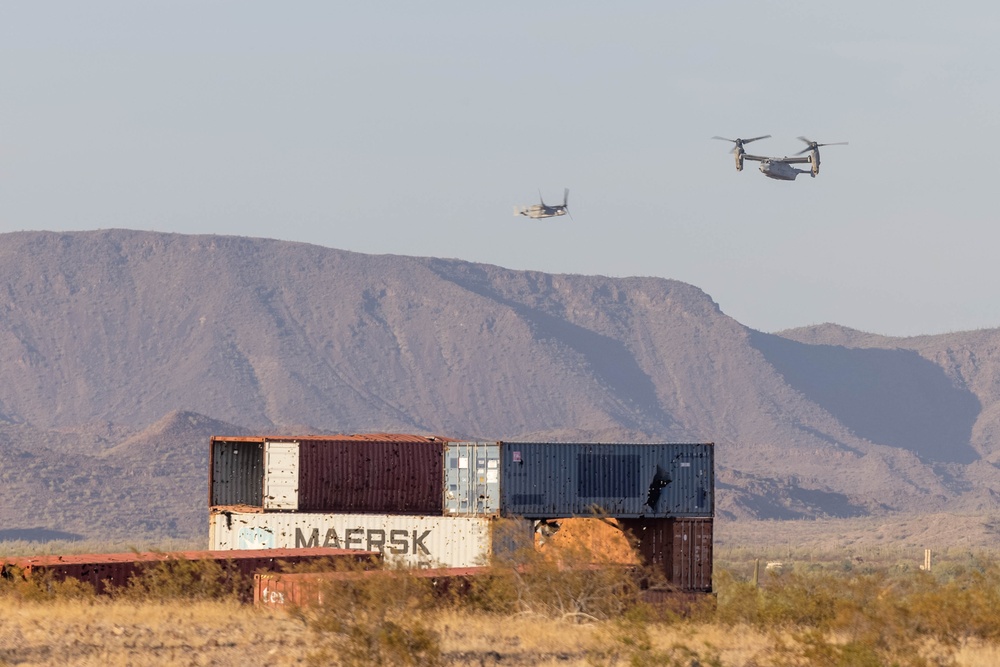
pixel 110 634
pixel 116 634
pixel 825 608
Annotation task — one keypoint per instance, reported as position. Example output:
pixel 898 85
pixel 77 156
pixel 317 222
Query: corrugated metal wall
pixel 692 554
pixel 370 477
pixel 415 541
pixel 237 472
pixel 551 480
pixel 679 548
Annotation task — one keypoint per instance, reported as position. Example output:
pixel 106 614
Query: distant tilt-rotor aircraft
pixel 780 168
pixel 543 210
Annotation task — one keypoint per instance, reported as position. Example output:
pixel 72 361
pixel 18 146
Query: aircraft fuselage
pixel 780 171
pixel 540 212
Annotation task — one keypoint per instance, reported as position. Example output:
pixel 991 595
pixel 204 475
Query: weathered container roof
pixel 340 437
pixel 26 562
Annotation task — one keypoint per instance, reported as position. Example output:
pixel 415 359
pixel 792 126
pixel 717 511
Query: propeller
pixel 812 145
pixel 740 142
pixel 565 203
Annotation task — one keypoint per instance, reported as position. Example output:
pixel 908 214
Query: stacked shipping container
pixel 549 480
pixel 392 474
pixel 430 501
pixel 413 541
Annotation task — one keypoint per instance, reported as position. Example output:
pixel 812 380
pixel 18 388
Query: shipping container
pixel 370 477
pixel 106 571
pixel 553 480
pixel 377 473
pixel 237 473
pixel 680 549
pixel 412 541
pixel 472 479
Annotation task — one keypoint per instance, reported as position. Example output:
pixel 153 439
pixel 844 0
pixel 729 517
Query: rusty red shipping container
pixel 306 588
pixel 104 571
pixel 380 477
pixel 680 548
pixel 376 473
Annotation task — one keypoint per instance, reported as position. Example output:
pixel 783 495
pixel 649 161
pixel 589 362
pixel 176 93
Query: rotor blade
pixel 836 143
pixel 811 147
pixel 764 136
pixel 732 141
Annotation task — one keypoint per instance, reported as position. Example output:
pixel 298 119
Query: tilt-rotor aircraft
pixel 543 210
pixel 780 168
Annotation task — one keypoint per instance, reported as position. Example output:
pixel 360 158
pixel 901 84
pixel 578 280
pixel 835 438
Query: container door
pixel 692 554
pixel 281 475
pixel 472 479
pixel 237 473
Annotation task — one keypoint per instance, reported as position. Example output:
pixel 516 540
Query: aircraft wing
pixel 755 158
pixel 794 160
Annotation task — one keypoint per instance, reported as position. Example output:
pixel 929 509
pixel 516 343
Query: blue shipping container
pixel 552 480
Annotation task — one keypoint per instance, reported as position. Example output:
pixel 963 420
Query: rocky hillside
pixel 122 351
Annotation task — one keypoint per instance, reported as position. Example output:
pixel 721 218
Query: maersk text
pixel 367 539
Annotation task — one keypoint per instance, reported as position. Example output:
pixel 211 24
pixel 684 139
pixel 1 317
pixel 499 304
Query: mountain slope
pixel 104 334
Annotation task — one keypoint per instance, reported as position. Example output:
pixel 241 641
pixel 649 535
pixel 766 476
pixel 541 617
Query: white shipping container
pixel 413 541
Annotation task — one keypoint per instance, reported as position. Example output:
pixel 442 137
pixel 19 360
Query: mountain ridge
pixel 119 343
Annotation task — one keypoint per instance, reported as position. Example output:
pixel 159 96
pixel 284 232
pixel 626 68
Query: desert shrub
pixel 840 619
pixel 42 587
pixel 567 581
pixel 331 565
pixel 964 606
pixel 183 579
pixel 737 601
pixel 815 648
pixel 628 640
pixel 373 617
pixel 794 599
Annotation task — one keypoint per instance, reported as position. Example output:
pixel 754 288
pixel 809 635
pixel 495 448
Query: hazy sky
pixel 414 128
